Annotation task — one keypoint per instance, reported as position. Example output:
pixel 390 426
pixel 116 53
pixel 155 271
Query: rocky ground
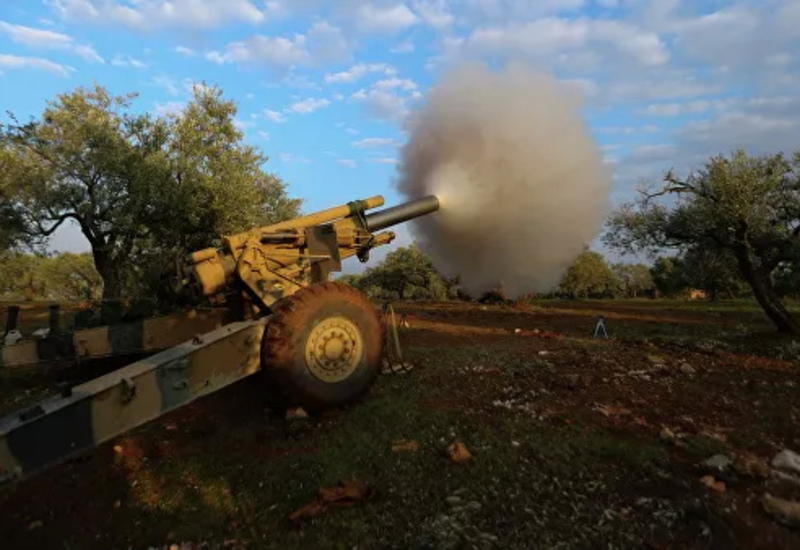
pixel 514 429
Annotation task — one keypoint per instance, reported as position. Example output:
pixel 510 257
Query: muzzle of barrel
pixel 401 213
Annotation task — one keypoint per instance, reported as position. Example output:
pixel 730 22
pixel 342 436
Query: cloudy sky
pixel 324 87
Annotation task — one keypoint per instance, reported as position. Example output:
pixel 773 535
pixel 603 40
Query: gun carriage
pixel 315 343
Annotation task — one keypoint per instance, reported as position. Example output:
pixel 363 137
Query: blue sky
pixel 324 87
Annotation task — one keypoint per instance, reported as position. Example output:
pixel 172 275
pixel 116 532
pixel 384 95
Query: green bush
pixel 405 274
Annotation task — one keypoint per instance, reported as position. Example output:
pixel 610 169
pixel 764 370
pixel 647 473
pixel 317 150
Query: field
pixel 576 442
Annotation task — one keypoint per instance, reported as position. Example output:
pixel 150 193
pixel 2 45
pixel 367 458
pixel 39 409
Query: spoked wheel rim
pixel 334 349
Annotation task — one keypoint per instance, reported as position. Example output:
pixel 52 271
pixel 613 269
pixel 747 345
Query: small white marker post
pixel 600 328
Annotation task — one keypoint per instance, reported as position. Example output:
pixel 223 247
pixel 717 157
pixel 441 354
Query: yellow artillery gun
pixel 317 343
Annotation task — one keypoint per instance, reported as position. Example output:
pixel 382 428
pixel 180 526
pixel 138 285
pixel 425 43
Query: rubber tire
pixel 284 342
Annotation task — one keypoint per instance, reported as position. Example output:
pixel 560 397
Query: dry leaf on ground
pixel 713 484
pixel 458 453
pixel 344 494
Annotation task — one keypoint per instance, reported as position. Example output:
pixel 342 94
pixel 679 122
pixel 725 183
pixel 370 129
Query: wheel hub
pixel 334 349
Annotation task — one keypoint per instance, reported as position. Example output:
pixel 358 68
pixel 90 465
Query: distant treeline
pixel 63 277
pixel 408 274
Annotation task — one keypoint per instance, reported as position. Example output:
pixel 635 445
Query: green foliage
pixel 143 189
pixel 405 274
pixel 589 276
pixel 744 208
pixel 21 276
pixel 65 276
pixel 634 279
pixel 787 280
pixel 668 276
pixel 713 271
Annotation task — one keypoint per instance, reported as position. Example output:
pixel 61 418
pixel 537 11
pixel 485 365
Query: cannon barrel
pixel 402 212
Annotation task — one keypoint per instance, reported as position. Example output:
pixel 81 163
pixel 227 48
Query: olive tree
pixel 143 189
pixel 713 271
pixel 745 206
pixel 65 276
pixel 634 279
pixel 405 273
pixel 589 276
pixel 668 276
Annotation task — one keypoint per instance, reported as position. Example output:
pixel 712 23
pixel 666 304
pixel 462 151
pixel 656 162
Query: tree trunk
pixel 765 294
pixel 109 272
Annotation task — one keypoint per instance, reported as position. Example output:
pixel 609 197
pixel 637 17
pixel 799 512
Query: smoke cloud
pixel 521 183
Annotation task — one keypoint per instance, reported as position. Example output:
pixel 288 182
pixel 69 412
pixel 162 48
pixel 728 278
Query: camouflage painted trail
pixel 147 335
pixel 100 409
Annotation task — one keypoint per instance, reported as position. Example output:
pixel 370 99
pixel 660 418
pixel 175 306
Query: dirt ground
pixel 576 442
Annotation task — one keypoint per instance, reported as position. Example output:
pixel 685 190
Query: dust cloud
pixel 521 183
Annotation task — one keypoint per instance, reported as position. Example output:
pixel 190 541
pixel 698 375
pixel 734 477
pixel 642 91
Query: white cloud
pixel 659 85
pixel 274 116
pixel 350 163
pixel 383 160
pixel 243 125
pixel 38 38
pixel 434 12
pixel 264 135
pixel 389 83
pixel 547 37
pixel 718 105
pixel 514 10
pixel 183 50
pixel 295 80
pixel 406 46
pixel 169 84
pixel 144 15
pixel 649 153
pixel 88 53
pixel 120 60
pixel 308 105
pixel 216 57
pixel 384 19
pixel 323 43
pixel 384 100
pixel 747 36
pixel 727 36
pixel 327 43
pixel 756 131
pixel 760 125
pixel 583 88
pixel 358 71
pixel 687 107
pixel 269 50
pixel 291 158
pixel 10 62
pixel 375 142
pixel 383 104
pixel 169 108
pixel 629 130
pixel 48 40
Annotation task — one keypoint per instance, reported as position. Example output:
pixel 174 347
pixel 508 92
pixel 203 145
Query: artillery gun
pixel 316 343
